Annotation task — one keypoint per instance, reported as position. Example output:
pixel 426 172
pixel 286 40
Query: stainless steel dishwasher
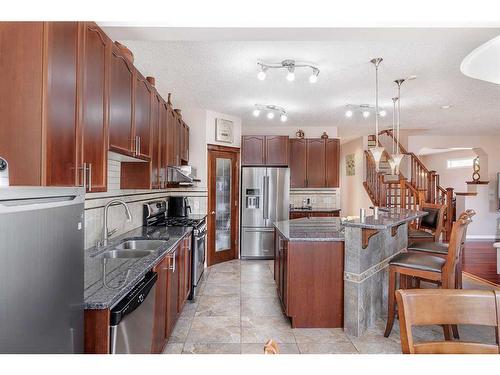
pixel 132 319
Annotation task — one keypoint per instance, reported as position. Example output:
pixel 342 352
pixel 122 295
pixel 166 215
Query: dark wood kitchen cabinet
pixel 184 272
pixel 156 140
pixel 316 163
pixel 121 99
pixel 93 111
pixel 312 213
pixel 298 163
pixel 270 150
pixel 332 163
pixel 173 291
pixel 309 279
pixel 185 143
pixel 160 333
pixel 142 117
pixel 39 65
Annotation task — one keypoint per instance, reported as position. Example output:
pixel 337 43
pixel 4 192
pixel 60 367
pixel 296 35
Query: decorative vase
pixel 324 135
pixel 168 98
pixel 300 134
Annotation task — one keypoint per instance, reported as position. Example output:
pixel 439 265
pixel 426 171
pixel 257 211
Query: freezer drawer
pixel 257 243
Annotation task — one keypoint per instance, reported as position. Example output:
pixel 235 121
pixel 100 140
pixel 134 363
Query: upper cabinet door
pixel 93 108
pixel 253 150
pixel 164 151
pixel 60 111
pixel 171 137
pixel 332 162
pixel 142 113
pixel 156 140
pixel 316 167
pixel 298 163
pixel 277 150
pixel 185 142
pixel 121 83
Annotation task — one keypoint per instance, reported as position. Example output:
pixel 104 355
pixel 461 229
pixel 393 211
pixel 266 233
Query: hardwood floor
pixel 480 260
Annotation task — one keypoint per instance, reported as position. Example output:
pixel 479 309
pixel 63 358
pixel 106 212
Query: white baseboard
pixel 482 237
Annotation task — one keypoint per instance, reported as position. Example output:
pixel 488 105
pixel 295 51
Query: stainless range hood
pixel 183 175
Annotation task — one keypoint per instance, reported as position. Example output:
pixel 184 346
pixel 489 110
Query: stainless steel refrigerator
pixel 41 270
pixel 265 195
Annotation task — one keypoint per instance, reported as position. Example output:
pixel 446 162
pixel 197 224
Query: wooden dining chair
pixel 271 347
pixel 430 227
pixel 409 265
pixel 440 249
pixel 422 307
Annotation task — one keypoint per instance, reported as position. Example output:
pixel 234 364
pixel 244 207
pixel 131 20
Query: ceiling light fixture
pixel 262 73
pixel 290 66
pixel 364 110
pixel 398 156
pixel 271 111
pixel 377 150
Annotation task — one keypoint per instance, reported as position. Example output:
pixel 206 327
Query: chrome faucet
pixel 105 232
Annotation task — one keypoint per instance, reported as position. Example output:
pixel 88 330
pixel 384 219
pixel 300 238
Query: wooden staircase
pixel 386 189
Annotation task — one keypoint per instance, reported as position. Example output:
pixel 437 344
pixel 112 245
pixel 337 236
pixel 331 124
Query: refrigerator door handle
pixel 265 211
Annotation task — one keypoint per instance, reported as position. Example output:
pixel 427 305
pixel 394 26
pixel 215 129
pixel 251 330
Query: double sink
pixel 132 249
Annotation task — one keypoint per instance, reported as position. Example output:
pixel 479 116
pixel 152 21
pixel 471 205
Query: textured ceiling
pixel 221 75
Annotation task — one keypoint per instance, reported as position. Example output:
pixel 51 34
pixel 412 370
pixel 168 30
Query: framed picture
pixel 223 130
pixel 350 167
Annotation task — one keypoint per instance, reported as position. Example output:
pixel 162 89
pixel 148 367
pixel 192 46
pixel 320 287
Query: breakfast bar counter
pixel 352 256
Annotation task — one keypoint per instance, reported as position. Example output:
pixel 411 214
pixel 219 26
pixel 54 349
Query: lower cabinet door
pixel 160 319
pixel 172 290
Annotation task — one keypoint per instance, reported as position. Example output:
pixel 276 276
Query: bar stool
pixel 430 226
pixel 425 266
pixel 440 249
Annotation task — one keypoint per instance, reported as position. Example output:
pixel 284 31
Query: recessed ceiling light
pixel 270 115
pixel 256 112
pixel 348 113
pixel 447 106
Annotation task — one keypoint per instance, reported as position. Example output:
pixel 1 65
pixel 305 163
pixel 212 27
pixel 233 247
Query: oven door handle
pixel 200 236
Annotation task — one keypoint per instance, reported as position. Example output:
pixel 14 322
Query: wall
pixel 486 224
pixel 353 194
pixel 454 177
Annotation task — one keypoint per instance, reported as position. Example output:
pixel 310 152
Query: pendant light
pixel 398 157
pixel 377 150
pixel 392 160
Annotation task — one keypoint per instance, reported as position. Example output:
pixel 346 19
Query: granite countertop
pixel 386 220
pixel 100 296
pixel 302 209
pixel 311 229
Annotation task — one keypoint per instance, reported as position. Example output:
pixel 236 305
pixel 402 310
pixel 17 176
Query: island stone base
pixel 366 274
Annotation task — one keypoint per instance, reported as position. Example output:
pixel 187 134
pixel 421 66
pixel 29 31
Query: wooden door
pixel 93 108
pixel 297 162
pixel 142 116
pixel 21 53
pixel 277 150
pixel 332 163
pixel 160 318
pixel 172 290
pixel 62 50
pixel 156 140
pixel 315 163
pixel 121 83
pixel 253 150
pixel 223 193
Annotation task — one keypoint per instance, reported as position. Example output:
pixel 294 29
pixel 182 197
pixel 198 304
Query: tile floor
pixel 237 311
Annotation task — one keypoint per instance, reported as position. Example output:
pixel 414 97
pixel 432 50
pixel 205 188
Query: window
pixel 460 163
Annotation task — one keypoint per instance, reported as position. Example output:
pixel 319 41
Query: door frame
pixel 235 209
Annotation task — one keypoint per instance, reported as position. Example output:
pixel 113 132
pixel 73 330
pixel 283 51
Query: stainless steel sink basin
pixel 114 254
pixel 140 245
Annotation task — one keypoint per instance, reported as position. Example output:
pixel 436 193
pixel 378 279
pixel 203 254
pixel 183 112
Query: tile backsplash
pixel 319 198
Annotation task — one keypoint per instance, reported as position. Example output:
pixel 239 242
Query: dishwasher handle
pixel 134 299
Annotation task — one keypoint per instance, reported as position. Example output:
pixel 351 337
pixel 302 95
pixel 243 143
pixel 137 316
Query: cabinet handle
pixel 83 168
pixel 172 267
pixel 136 146
pixel 90 177
pixel 139 138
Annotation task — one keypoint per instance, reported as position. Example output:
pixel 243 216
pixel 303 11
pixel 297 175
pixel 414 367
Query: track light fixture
pixel 290 66
pixel 365 110
pixel 271 111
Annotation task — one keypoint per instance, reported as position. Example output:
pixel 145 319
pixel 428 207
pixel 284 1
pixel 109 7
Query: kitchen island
pixel 334 274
